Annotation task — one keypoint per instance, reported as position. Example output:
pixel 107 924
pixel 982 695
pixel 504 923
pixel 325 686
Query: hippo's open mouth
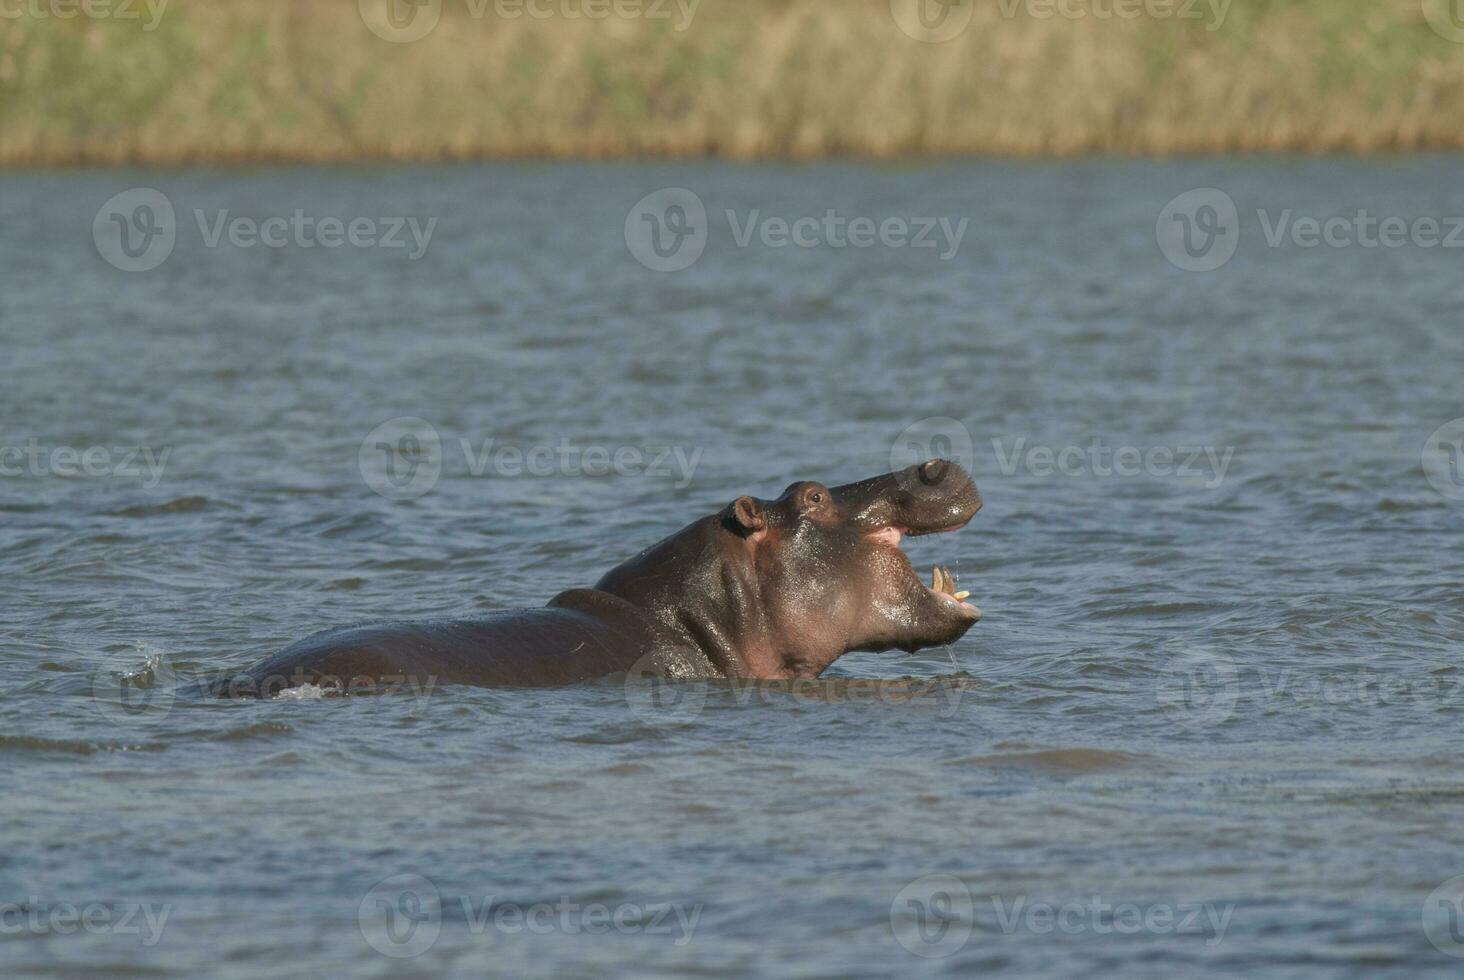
pixel 942 583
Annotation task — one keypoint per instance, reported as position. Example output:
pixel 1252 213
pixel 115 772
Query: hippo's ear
pixel 746 516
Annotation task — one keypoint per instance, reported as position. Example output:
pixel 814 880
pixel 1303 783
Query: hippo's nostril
pixel 933 471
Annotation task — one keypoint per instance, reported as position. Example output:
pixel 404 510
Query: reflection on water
pixel 1232 690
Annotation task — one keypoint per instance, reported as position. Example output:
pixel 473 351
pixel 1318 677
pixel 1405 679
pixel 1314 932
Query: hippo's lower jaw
pixel 922 615
pixel 942 583
pixel 764 588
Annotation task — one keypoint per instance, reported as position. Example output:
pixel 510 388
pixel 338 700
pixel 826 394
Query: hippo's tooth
pixel 935 577
pixel 962 594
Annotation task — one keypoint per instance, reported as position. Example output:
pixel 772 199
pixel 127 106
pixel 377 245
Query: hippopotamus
pixel 763 589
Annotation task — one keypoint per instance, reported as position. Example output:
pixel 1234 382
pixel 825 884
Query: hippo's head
pixel 783 588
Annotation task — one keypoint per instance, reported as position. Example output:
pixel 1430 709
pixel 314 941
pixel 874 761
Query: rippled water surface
pixel 1231 688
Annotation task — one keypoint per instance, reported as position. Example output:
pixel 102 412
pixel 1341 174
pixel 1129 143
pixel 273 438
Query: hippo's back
pixel 515 648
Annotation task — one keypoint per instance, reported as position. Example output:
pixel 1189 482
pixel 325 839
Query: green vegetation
pixel 223 80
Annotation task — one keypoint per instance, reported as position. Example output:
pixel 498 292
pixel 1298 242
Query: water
pixel 1228 696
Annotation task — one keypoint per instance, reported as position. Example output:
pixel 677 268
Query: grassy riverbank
pixel 221 80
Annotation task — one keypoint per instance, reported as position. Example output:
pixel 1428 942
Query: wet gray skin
pixel 768 589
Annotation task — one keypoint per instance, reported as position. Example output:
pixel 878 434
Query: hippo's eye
pixel 816 497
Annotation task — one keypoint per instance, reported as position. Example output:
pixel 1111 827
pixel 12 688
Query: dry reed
pixel 223 80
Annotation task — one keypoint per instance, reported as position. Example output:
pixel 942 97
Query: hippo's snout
pixel 937 495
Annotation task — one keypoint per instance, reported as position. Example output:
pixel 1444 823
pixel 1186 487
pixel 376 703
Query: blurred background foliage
pixel 306 79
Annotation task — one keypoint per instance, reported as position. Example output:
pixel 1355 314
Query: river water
pixel 1209 725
